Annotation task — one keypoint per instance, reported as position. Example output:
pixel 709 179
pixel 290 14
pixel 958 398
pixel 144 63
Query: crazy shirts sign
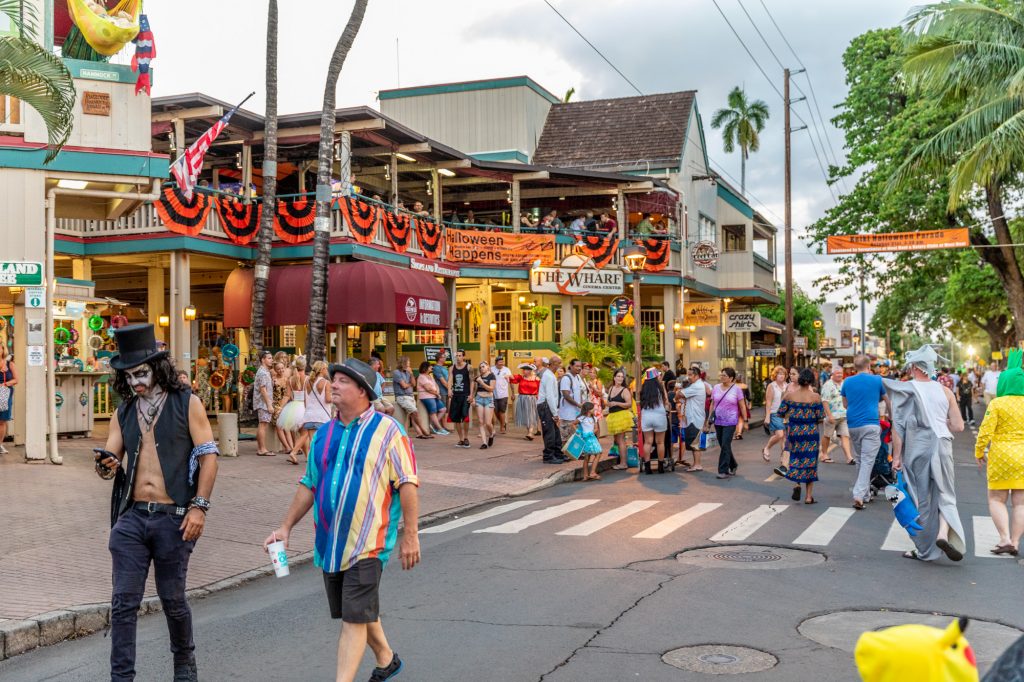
pixel 20 273
pixel 576 281
pixel 743 321
pixel 417 311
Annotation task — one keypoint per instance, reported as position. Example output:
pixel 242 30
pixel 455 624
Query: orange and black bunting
pixel 241 221
pixel 600 247
pixel 361 218
pixel 397 228
pixel 181 215
pixel 657 254
pixel 293 221
pixel 430 237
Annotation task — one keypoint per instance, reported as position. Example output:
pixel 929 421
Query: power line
pixel 761 35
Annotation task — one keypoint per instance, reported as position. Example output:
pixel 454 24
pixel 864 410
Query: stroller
pixel 882 473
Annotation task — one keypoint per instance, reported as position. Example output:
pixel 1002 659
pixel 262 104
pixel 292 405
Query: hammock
pixel 106 32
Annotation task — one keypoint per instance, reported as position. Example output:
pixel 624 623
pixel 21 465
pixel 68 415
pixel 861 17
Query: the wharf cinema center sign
pixel 576 279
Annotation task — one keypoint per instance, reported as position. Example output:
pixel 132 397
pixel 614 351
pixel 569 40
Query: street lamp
pixel 636 258
pixel 190 312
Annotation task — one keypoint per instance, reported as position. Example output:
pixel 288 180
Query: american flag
pixel 186 169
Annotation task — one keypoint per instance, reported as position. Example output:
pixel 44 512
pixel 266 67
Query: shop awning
pixel 359 292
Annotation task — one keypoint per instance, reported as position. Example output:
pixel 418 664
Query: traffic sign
pixel 827 352
pixel 18 273
pixel 34 297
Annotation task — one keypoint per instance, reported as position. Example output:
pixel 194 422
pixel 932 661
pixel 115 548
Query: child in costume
pixel 916 652
pixel 591 446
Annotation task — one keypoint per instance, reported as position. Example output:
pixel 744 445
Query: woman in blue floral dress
pixel 802 409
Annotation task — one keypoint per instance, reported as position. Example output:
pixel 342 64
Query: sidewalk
pixel 53 552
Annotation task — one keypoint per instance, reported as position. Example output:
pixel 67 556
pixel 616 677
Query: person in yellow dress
pixel 1002 432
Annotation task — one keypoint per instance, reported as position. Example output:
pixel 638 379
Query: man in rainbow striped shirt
pixel 360 478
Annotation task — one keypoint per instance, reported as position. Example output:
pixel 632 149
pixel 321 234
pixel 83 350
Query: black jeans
pixel 136 540
pixel 726 462
pixel 967 409
pixel 548 429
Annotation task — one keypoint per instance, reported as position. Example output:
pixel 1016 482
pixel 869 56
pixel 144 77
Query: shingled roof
pixel 616 133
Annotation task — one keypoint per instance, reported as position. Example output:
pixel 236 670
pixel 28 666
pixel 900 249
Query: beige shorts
pixel 830 430
pixel 407 403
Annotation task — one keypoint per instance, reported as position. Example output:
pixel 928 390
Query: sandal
pixel 858 505
pixel 796 493
pixel 291 460
pixel 595 477
pixel 1004 549
pixel 828 460
pixel 766 455
pixel 266 453
pixel 528 437
pixel 951 552
pixel 692 469
pixel 810 500
pixel 912 554
pixel 620 467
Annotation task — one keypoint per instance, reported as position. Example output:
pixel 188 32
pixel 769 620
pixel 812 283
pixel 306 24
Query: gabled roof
pixel 626 132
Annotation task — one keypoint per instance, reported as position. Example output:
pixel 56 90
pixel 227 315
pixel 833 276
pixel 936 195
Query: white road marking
pixel 539 516
pixel 773 477
pixel 897 540
pixel 473 518
pixel 608 518
pixel 746 525
pixel 677 521
pixel 985 538
pixel 825 527
pixel 462 479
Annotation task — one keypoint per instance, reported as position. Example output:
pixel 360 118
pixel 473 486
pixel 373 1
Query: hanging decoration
pixel 145 51
pixel 95 323
pixel 293 220
pixel 658 252
pixel 600 248
pixel 397 227
pixel 181 215
pixel 241 221
pixel 106 31
pixel 118 321
pixel 361 218
pixel 430 236
pixel 61 336
pixel 74 335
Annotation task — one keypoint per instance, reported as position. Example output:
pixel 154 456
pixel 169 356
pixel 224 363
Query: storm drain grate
pixel 746 556
pixel 720 659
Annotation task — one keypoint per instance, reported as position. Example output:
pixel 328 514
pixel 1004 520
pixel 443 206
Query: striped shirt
pixel 355 472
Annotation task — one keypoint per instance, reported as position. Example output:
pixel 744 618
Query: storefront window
pixel 288 336
pixel 428 337
pixel 652 317
pixel 556 324
pixel 597 324
pixel 503 320
pixel 525 326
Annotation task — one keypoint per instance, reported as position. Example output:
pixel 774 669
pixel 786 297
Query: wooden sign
pixel 703 313
pixel 96 103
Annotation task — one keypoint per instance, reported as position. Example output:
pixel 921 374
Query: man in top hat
pixel 360 480
pixel 161 453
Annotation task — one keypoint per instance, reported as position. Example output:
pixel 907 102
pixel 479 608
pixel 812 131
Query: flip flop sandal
pixel 828 460
pixel 796 493
pixel 949 550
pixel 766 455
pixel 620 467
pixel 811 501
pixel 692 469
pixel 1004 549
pixel 858 505
pixel 267 453
pixel 912 554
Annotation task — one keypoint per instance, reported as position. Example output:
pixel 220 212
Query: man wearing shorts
pixel 262 400
pixel 357 460
pixel 835 427
pixel 458 410
pixel 501 391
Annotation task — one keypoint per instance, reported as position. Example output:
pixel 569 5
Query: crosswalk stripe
pixel 985 538
pixel 825 527
pixel 537 517
pixel 677 521
pixel 897 540
pixel 608 518
pixel 473 518
pixel 746 525
pixel 773 477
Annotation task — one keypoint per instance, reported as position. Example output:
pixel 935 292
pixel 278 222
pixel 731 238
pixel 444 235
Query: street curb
pixel 19 636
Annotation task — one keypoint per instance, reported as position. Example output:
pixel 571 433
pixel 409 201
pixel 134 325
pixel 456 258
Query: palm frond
pixel 730 135
pixel 23 16
pixel 41 80
pixel 721 116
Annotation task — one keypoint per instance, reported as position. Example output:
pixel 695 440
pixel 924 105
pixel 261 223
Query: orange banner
pixel 499 248
pixel 899 241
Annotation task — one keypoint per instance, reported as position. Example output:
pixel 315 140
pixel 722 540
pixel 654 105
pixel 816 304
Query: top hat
pixel 136 344
pixel 358 371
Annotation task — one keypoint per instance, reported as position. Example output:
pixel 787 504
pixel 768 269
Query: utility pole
pixel 790 332
pixel 863 313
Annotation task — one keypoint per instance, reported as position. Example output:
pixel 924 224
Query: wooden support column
pixel 435 182
pixel 155 299
pixel 340 342
pixel 180 344
pixel 393 163
pixel 452 342
pixel 670 297
pixel 568 320
pixel 621 216
pixel 345 161
pixel 391 346
pixel 486 317
pixel 516 206
pixel 246 172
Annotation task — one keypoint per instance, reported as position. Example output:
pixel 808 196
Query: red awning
pixel 359 292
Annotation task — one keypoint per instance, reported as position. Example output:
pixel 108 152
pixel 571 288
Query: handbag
pixel 708 439
pixel 602 427
pixel 711 418
pixel 5 398
pixel 574 446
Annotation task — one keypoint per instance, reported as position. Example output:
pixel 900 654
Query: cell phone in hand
pixel 102 455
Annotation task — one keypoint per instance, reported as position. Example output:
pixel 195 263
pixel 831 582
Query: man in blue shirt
pixel 861 394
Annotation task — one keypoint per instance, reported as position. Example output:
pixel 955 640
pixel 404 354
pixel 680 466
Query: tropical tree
pixel 648 344
pixel 31 74
pixel 972 54
pixel 266 233
pixel 603 356
pixel 743 121
pixel 317 340
pixel 805 312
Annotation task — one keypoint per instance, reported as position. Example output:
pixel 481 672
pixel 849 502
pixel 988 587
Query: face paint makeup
pixel 141 379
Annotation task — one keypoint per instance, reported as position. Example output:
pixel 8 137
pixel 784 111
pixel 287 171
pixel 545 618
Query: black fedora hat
pixel 359 372
pixel 136 345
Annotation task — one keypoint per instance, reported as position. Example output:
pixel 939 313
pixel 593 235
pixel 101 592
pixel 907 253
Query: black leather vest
pixel 173 449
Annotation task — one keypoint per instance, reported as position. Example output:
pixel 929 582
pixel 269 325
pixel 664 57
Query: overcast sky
pixel 660 45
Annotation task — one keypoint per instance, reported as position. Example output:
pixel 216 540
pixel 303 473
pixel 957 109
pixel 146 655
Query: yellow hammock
pixel 99 30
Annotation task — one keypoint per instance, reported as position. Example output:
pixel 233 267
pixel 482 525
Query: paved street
pixel 580 582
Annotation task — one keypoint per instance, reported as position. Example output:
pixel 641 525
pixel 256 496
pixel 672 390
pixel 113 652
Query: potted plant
pixel 539 313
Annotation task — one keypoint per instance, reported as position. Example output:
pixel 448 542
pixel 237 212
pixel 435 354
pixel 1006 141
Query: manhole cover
pixel 750 557
pixel 720 659
pixel 840 630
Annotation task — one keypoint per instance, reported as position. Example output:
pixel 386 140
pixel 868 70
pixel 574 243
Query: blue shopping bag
pixel 707 440
pixel 632 456
pixel 574 446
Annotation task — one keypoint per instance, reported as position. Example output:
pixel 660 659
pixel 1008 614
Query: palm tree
pixel 317 341
pixel 743 122
pixel 266 234
pixel 602 356
pixel 972 54
pixel 31 74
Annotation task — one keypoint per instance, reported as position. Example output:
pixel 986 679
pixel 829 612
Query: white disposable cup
pixel 278 558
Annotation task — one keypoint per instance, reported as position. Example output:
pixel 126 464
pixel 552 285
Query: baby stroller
pixel 882 473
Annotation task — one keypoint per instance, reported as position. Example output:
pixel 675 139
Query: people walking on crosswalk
pixel 835 427
pixel 727 406
pixel 861 395
pixel 692 417
pixel 772 399
pixel 803 410
pixel 926 417
pixel 1000 450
